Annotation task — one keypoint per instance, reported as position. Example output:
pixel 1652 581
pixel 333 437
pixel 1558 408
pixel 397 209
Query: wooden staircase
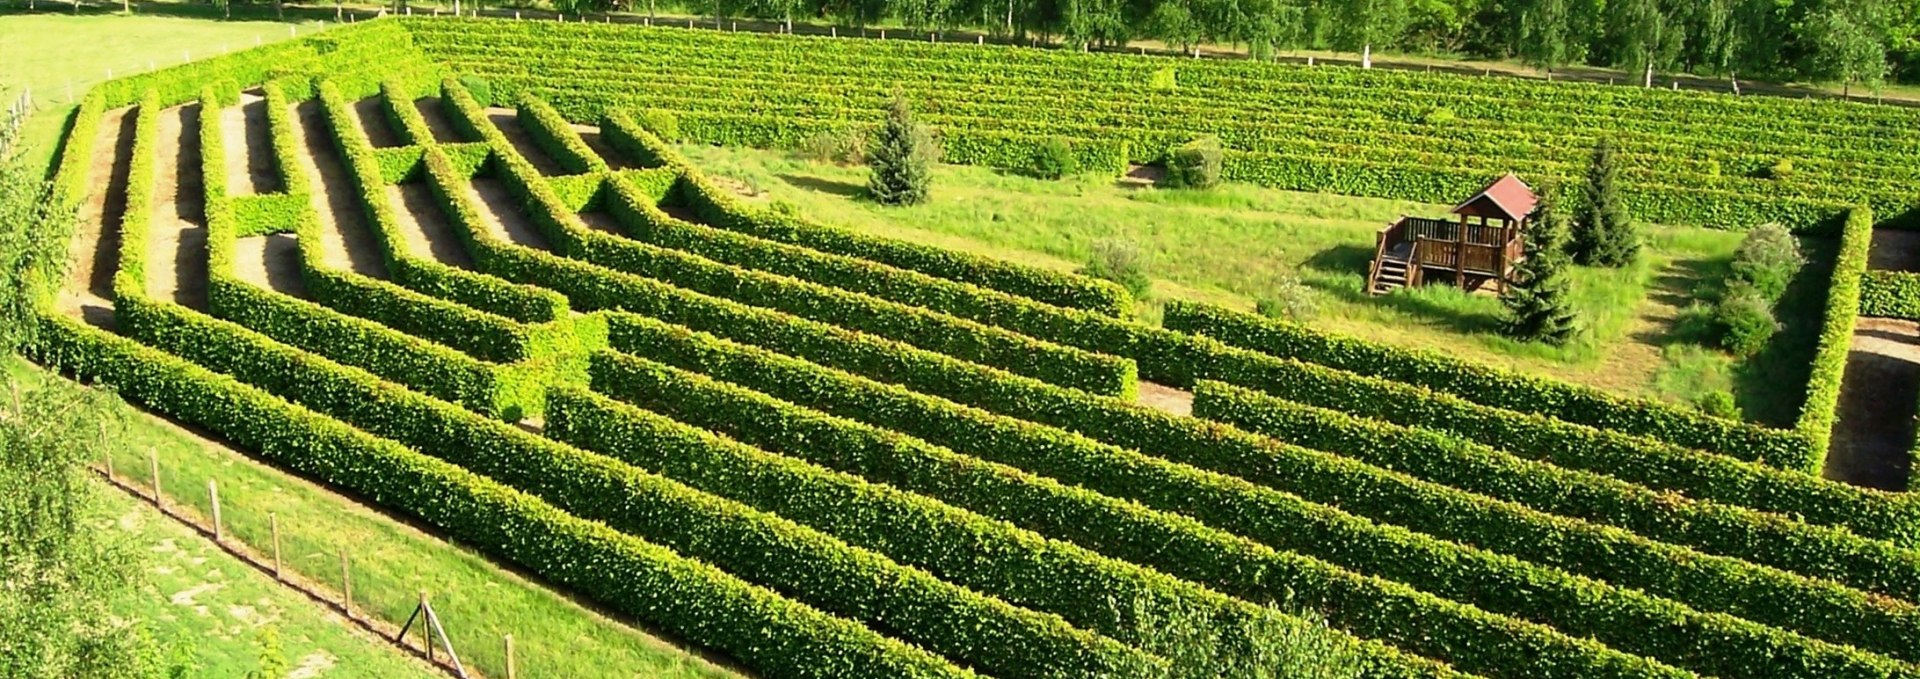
pixel 1392 270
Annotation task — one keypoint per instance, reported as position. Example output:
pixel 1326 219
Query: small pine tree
pixel 1539 306
pixel 1603 233
pixel 902 158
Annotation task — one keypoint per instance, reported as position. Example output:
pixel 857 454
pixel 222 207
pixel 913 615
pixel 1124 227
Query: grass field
pixel 478 600
pixel 1236 244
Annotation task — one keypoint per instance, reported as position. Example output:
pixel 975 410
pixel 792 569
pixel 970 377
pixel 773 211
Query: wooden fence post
pixel 213 495
pixel 508 640
pixel 273 522
pixel 153 467
pixel 346 586
pixel 426 635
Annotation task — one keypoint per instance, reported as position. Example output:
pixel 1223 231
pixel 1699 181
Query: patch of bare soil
pixel 95 250
pixel 1894 250
pixel 1140 176
pixel 603 222
pixel 249 147
pixel 373 121
pixel 271 262
pixel 1878 399
pixel 437 120
pixel 591 135
pixel 1169 399
pixel 425 225
pixel 346 240
pixel 177 237
pixel 509 124
pixel 501 214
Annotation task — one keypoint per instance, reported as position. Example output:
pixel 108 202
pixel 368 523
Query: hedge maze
pixel 543 332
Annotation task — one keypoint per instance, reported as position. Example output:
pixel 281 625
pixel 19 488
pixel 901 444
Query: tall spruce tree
pixel 1603 234
pixel 902 159
pixel 1538 300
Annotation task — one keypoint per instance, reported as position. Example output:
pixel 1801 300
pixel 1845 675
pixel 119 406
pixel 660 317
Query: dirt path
pixel 373 121
pixel 425 225
pixel 95 250
pixel 603 222
pixel 249 147
pixel 502 214
pixel 437 120
pixel 271 262
pixel 177 238
pixel 1878 399
pixel 346 241
pixel 1894 250
pixel 523 143
pixel 591 135
pixel 1169 399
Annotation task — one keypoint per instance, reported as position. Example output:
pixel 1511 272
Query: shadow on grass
pixel 1681 285
pixel 828 186
pixel 1770 387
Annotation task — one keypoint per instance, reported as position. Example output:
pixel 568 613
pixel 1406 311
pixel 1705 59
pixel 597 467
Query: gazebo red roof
pixel 1508 194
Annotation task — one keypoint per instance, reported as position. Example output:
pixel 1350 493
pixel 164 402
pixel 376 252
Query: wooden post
pixel 508 641
pixel 153 467
pixel 213 495
pixel 346 586
pixel 273 523
pixel 426 637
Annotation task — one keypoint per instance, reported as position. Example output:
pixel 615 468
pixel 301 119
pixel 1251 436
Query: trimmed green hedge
pixel 1494 387
pixel 763 630
pixel 1836 338
pixel 720 208
pixel 130 279
pixel 396 103
pixel 1890 294
pixel 554 135
pixel 1579 606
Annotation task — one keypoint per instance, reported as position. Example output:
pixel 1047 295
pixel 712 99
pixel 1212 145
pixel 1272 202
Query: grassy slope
pixel 1232 245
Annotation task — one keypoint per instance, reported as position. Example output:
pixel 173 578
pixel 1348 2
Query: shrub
pixel 1122 262
pixel 663 124
pixel 902 159
pixel 1718 404
pixel 480 88
pixel 1781 170
pixel 1439 115
pixel 1767 259
pixel 1053 158
pixel 1290 300
pixel 1163 80
pixel 1195 164
pixel 1746 319
pixel 844 146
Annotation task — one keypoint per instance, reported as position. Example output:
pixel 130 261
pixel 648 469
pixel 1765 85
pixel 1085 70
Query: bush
pixel 1163 80
pixel 1290 300
pixel 844 146
pixel 1195 164
pixel 1718 404
pixel 1781 170
pixel 662 123
pixel 1053 158
pixel 1767 259
pixel 480 88
pixel 1746 319
pixel 1122 262
pixel 1439 115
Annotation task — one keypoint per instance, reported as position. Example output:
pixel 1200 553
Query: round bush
pixel 1746 321
pixel 1718 404
pixel 1767 259
pixel 1195 164
pixel 1053 159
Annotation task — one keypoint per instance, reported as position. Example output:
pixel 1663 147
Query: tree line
pixel 1861 42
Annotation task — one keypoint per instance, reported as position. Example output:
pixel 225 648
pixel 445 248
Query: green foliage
pixel 840 146
pixel 1122 262
pixel 1836 337
pixel 901 158
pixel 1539 308
pixel 1290 300
pixel 556 137
pixel 1767 260
pixel 1439 116
pixel 1163 80
pixel 32 253
pixel 1255 649
pixel 1603 233
pixel 1196 164
pixel 1780 170
pixel 273 660
pixel 1718 404
pixel 1053 159
pixel 480 88
pixel 1892 294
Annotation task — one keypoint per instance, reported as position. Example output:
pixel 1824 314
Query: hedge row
pixel 130 279
pixel 1634 459
pixel 268 213
pixel 396 103
pixel 757 546
pixel 1829 366
pixel 1495 387
pixel 554 135
pixel 1890 294
pixel 1616 615
pixel 775 636
pixel 967 339
pixel 1890 627
pixel 286 145
pixel 1091 590
pixel 721 209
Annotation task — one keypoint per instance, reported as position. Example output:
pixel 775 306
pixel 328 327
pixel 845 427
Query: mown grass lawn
pixel 1236 244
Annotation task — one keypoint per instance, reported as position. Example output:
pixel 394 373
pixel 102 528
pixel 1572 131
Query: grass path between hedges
pixel 1236 244
pixel 392 562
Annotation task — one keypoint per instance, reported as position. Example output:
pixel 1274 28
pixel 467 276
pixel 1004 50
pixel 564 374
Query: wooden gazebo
pixel 1481 244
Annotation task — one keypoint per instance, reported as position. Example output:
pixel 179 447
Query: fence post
pixel 213 495
pixel 273 523
pixel 426 635
pixel 346 586
pixel 153 467
pixel 508 640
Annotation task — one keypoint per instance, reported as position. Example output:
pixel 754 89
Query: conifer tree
pixel 902 158
pixel 1603 233
pixel 1539 307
